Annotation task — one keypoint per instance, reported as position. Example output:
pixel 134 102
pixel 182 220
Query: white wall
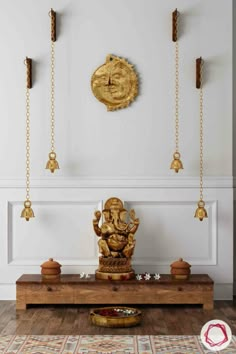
pixel 234 132
pixel 125 153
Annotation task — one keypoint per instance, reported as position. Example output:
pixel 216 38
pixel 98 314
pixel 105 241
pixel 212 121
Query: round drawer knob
pixel 49 288
pixel 115 288
pixel 180 289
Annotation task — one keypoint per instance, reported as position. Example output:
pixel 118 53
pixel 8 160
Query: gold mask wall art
pixel 115 83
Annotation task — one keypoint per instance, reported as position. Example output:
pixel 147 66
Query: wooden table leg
pixel 20 305
pixel 20 298
pixel 208 304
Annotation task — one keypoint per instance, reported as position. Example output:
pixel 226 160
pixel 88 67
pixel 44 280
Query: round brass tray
pixel 115 316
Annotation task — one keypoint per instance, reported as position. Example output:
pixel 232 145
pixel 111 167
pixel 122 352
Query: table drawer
pixel 48 294
pixel 139 293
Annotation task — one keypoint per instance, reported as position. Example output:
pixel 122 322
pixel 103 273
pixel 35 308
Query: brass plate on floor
pixel 115 316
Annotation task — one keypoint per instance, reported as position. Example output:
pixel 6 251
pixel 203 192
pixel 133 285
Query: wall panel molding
pixel 210 238
pixel 111 182
pixel 155 207
pixel 89 254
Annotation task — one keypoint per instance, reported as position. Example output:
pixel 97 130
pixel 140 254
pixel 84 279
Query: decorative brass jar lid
pixel 51 269
pixel 115 316
pixel 180 269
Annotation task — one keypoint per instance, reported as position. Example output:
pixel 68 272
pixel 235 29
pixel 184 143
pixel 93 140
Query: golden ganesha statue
pixel 117 242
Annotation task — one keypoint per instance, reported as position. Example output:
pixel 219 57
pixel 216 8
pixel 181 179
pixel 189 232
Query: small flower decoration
pixel 147 276
pixel 87 276
pixel 139 277
pixel 157 276
pixel 82 275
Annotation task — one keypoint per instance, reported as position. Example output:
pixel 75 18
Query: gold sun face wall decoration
pixel 115 83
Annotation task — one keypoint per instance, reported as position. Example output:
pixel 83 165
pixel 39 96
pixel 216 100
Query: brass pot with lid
pixel 50 269
pixel 180 270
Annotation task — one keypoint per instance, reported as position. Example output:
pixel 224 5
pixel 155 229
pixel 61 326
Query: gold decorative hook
pixel 175 15
pixel 199 66
pixel 53 25
pixel 28 63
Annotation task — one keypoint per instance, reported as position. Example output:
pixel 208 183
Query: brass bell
pixel 201 212
pixel 27 212
pixel 52 163
pixel 176 164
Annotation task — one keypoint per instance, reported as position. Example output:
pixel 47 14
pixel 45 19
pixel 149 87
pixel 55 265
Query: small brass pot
pixel 180 270
pixel 50 269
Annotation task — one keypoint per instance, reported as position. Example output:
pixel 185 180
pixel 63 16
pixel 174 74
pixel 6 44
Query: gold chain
pixel 201 139
pixel 27 144
pixel 52 97
pixel 176 96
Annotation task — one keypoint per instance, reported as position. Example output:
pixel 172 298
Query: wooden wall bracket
pixel 53 25
pixel 175 15
pixel 28 63
pixel 199 64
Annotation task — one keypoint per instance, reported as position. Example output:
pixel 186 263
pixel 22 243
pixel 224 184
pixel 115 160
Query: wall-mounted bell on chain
pixel 52 163
pixel 176 164
pixel 27 212
pixel 201 212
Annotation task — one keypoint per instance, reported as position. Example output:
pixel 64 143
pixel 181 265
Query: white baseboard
pixel 221 292
pixel 7 292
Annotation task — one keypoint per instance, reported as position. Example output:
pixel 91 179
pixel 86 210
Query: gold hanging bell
pixel 52 163
pixel 27 212
pixel 201 212
pixel 176 164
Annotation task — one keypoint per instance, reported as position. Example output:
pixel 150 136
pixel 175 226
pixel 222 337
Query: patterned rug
pixel 106 345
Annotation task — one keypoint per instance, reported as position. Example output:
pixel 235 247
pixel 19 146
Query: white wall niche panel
pixel 62 230
pixel 162 223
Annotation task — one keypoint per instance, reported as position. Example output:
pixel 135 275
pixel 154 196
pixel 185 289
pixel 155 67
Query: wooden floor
pixel 162 320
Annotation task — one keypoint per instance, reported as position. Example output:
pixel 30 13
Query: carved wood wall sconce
pixel 201 212
pixel 176 164
pixel 52 163
pixel 115 83
pixel 27 212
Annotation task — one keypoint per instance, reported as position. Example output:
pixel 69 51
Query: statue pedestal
pixel 114 269
pixel 114 276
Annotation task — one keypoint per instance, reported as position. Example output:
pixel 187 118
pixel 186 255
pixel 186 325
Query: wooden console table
pixel 71 289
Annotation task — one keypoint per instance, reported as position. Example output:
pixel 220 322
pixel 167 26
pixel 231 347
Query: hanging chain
pixel 201 134
pixel 27 144
pixel 176 86
pixel 52 97
pixel 176 96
